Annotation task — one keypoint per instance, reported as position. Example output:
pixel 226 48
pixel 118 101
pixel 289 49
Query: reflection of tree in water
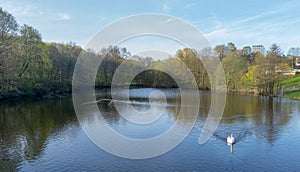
pixel 26 126
pixel 272 117
pixel 111 115
pixel 243 115
pixel 267 117
pixel 109 112
pixel 107 109
pixel 238 108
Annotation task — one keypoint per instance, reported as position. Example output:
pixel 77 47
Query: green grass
pixel 293 95
pixel 294 81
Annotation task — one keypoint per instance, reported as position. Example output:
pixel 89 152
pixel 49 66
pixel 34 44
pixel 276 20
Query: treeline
pixel 254 72
pixel 246 71
pixel 113 56
pixel 29 66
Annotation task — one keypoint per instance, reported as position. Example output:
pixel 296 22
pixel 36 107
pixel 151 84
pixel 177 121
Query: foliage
pixel 249 79
pixel 29 66
pixel 268 71
pixel 235 68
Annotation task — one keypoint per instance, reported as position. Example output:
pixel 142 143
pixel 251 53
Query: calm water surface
pixel 46 136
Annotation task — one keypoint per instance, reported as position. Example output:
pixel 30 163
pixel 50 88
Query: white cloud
pixel 63 16
pixel 274 26
pixel 21 9
pixel 218 24
pixel 166 8
pixel 258 16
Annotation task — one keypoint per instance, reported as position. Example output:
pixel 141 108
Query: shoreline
pixel 60 94
pixel 293 98
pixel 57 94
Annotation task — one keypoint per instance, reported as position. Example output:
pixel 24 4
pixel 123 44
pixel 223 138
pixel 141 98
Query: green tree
pixel 220 51
pixel 192 59
pixel 8 31
pixel 270 70
pixel 247 54
pixel 235 68
pixel 8 44
pixel 63 57
pixel 33 60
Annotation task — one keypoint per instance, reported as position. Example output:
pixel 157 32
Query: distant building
pixel 246 50
pixel 227 51
pixel 258 48
pixel 297 63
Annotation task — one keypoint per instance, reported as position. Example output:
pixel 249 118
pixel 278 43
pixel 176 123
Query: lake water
pixel 46 136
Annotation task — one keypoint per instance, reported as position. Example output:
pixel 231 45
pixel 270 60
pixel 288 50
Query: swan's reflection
pixel 231 147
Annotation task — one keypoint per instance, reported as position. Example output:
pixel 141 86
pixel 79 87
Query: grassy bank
pixel 295 95
pixel 292 87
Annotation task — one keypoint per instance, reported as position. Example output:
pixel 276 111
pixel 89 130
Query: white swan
pixel 230 139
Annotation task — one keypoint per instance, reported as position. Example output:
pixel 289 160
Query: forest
pixel 31 67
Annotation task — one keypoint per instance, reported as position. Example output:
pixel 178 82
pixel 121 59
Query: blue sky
pixel 241 22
